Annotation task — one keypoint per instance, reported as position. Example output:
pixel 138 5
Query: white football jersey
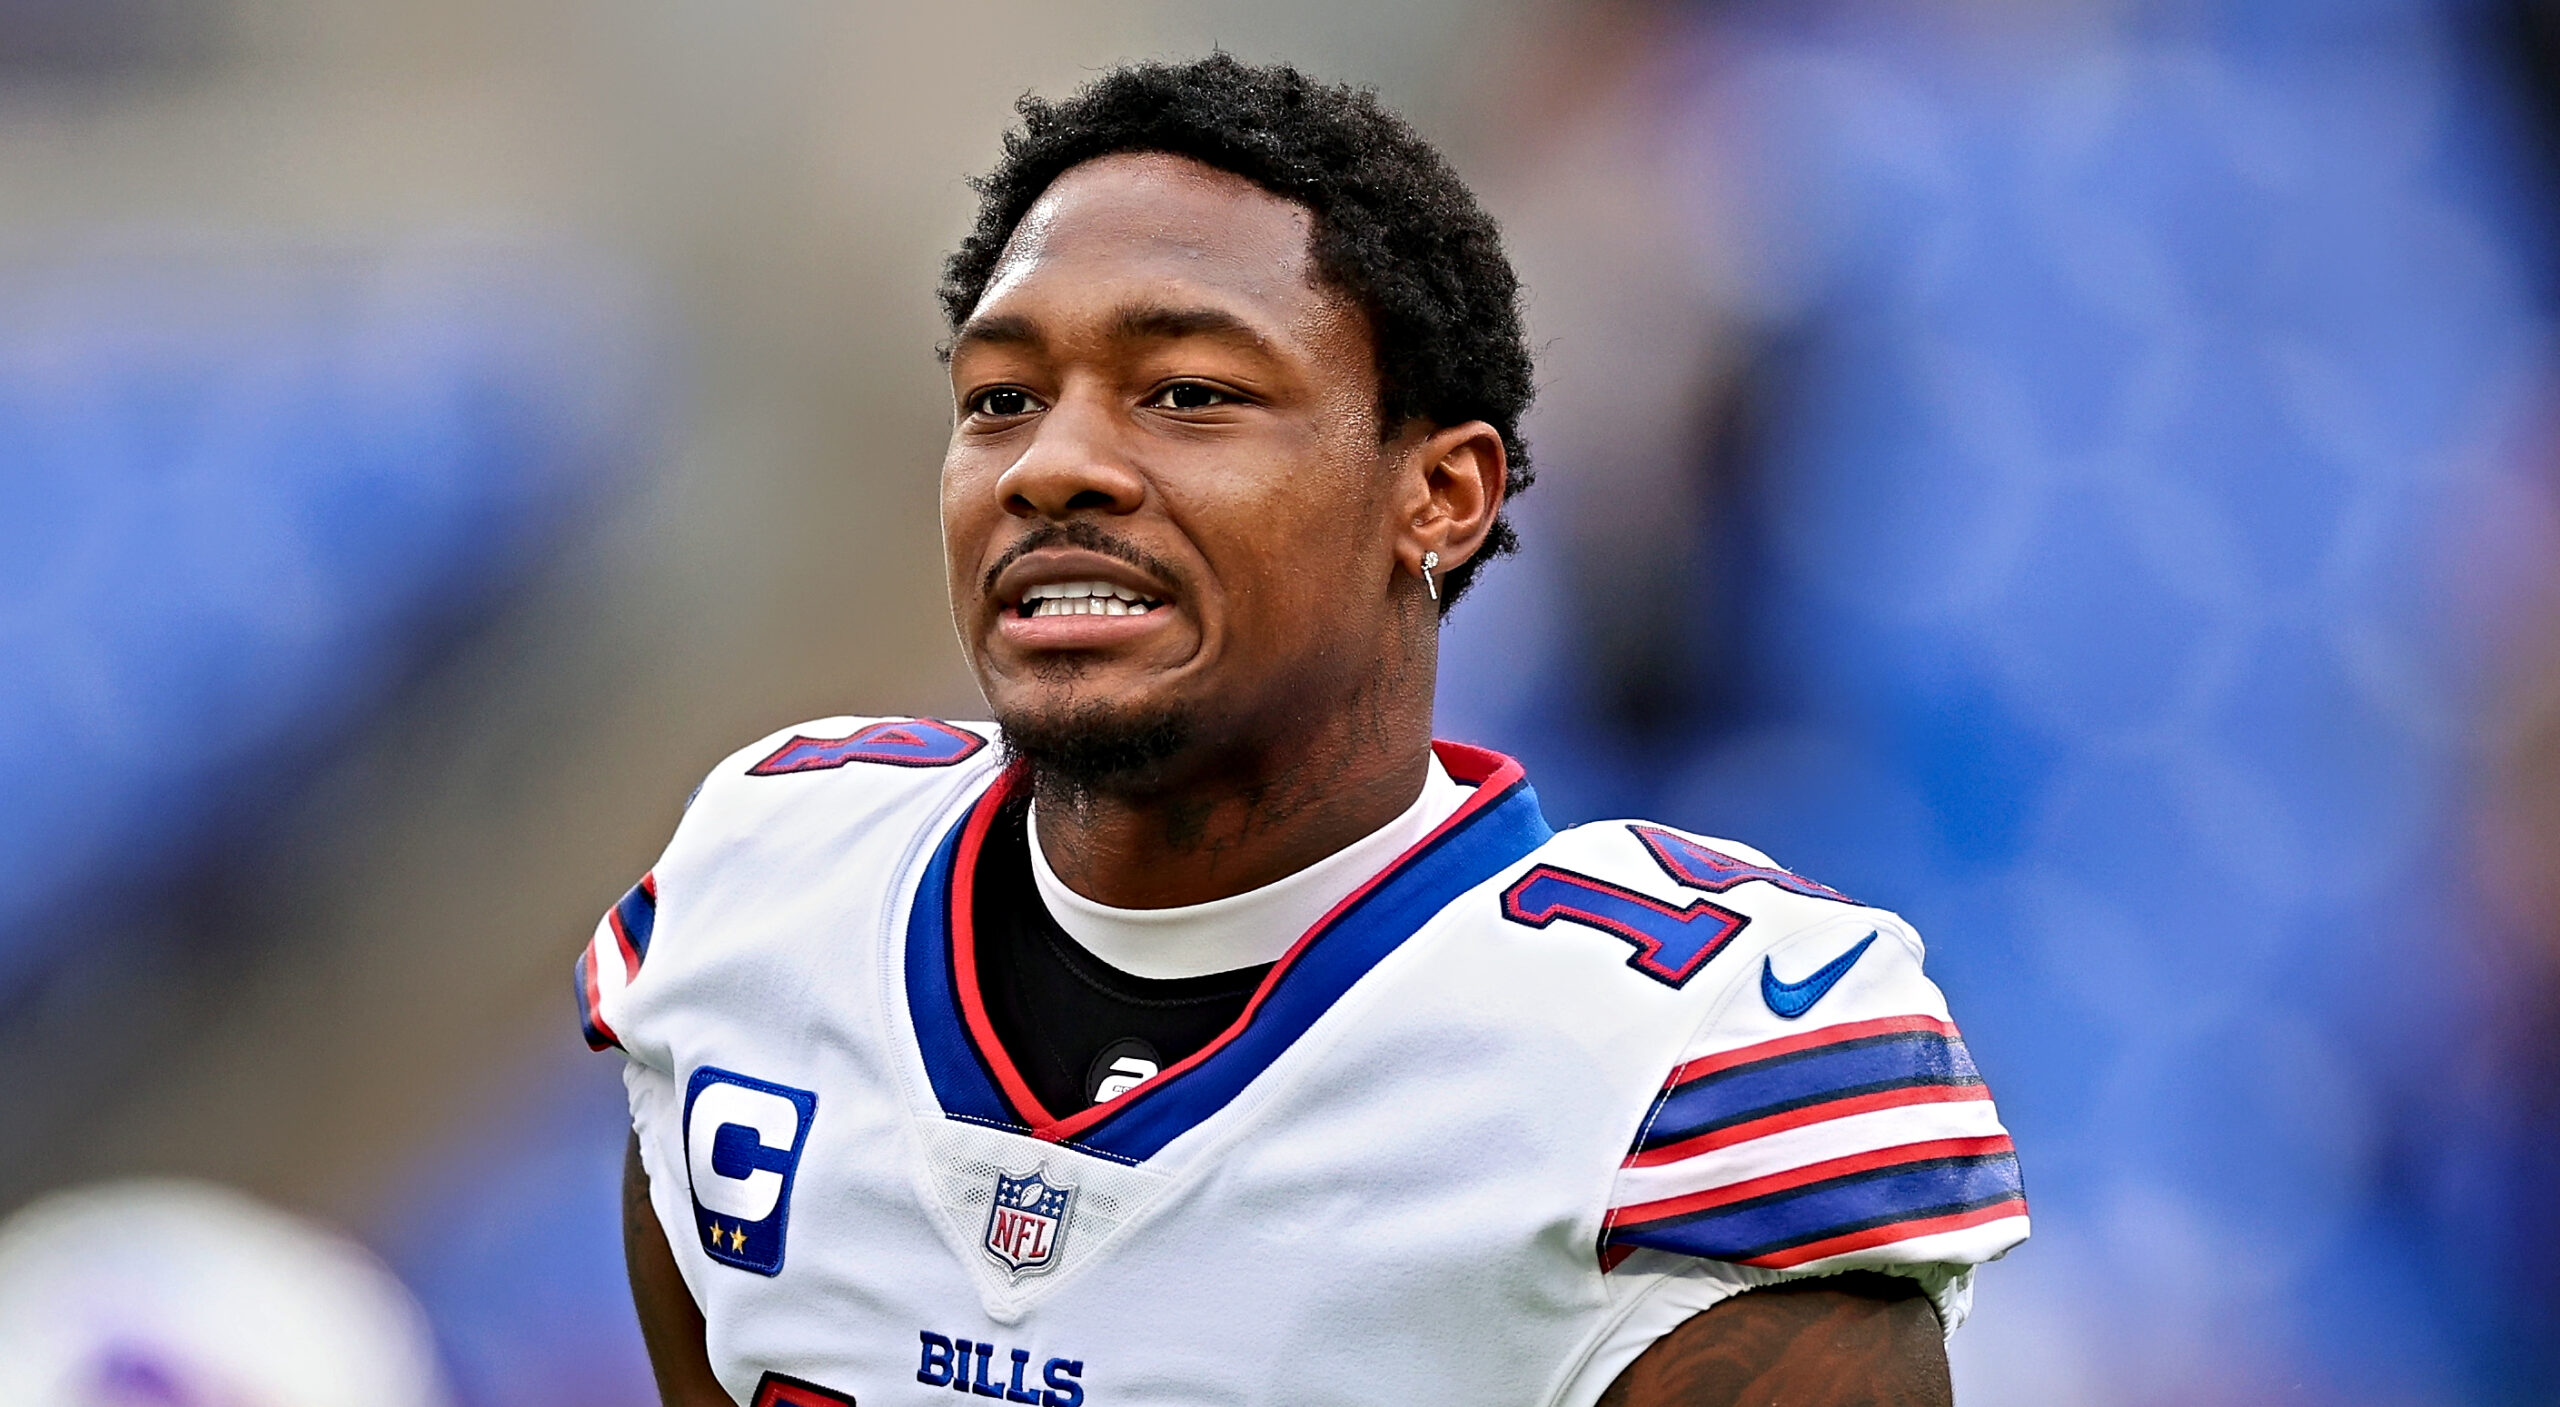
pixel 1514 1109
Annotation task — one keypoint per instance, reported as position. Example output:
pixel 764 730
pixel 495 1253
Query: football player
pixel 1201 1030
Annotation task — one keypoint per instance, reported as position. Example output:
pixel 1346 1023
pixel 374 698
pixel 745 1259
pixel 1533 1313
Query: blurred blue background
pixel 2123 545
pixel 2077 474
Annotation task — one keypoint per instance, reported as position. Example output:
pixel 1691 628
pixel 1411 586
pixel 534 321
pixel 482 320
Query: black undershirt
pixel 1058 1009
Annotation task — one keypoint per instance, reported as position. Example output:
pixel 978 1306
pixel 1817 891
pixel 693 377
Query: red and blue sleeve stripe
pixel 633 918
pixel 612 959
pixel 1835 1207
pixel 591 1023
pixel 1818 1144
pixel 1733 1097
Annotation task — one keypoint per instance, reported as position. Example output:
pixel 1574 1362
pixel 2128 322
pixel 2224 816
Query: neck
pixel 1237 820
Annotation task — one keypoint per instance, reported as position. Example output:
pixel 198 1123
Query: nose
pixel 1073 465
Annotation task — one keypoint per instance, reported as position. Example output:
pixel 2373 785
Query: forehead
pixel 1146 227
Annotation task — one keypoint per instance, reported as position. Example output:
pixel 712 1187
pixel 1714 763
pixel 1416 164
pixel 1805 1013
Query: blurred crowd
pixel 2077 474
pixel 2081 477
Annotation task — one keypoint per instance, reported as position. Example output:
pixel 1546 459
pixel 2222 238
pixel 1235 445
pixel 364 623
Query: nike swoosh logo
pixel 1793 999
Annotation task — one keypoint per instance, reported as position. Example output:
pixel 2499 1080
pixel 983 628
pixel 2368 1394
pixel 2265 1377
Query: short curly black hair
pixel 1394 228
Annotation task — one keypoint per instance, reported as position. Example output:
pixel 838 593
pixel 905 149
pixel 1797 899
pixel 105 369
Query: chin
pixel 1084 745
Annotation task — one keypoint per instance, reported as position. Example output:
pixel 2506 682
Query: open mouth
pixel 1082 598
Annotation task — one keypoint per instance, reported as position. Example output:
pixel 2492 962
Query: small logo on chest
pixel 1027 1222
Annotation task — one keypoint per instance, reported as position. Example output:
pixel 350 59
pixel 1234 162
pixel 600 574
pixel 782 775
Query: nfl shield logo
pixel 1027 1222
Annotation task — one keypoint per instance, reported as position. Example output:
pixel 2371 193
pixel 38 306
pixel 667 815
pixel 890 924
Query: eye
pixel 1002 402
pixel 1191 395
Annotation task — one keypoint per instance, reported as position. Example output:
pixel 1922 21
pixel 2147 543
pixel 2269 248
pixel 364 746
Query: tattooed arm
pixel 1856 1340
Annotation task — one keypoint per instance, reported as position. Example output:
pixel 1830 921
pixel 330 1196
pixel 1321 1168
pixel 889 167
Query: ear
pixel 1451 491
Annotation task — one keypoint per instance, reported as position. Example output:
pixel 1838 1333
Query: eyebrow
pixel 1157 322
pixel 999 330
pixel 1135 323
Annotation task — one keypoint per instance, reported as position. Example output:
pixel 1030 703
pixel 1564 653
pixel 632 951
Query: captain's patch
pixel 742 1143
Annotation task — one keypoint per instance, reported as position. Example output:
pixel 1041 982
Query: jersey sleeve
pixel 611 960
pixel 759 807
pixel 1825 1117
pixel 610 963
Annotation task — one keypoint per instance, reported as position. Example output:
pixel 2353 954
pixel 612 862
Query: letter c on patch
pixel 723 1133
pixel 742 1142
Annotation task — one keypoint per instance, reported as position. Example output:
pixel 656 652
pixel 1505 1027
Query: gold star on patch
pixel 737 1238
pixel 716 1234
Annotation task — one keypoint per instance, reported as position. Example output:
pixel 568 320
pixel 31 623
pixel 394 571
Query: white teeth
pixel 1085 598
pixel 1088 606
pixel 1071 590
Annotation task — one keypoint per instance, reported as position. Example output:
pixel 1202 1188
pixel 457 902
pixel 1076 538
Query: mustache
pixel 1078 532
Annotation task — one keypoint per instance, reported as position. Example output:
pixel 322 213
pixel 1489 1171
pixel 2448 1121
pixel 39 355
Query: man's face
pixel 1165 496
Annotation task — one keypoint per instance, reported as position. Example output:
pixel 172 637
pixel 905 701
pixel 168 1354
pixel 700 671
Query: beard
pixel 1095 747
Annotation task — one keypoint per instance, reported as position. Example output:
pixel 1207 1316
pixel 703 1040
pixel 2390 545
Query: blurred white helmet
pixel 163 1293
